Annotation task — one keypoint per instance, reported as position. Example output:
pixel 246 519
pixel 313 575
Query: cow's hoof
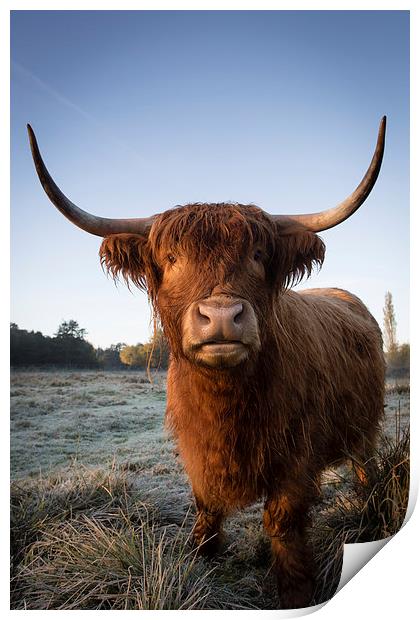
pixel 296 596
pixel 209 547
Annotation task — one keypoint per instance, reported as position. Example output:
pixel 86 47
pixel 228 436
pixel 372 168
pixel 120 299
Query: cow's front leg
pixel 207 528
pixel 285 520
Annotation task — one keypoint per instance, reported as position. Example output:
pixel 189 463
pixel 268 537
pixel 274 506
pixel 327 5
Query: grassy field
pixel 102 511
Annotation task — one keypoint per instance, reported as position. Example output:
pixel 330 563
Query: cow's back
pixel 344 369
pixel 340 298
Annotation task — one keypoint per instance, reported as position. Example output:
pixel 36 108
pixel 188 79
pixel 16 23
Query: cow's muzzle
pixel 220 331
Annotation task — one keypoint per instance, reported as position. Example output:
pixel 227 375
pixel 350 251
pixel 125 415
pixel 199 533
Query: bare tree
pixel 390 325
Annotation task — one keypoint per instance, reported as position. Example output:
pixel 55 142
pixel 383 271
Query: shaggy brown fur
pixel 310 397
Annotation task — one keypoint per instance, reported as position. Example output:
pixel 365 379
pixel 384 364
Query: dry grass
pixel 84 540
pixel 370 511
pixel 114 533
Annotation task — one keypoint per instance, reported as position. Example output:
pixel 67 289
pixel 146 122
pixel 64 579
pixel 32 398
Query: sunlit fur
pixel 312 395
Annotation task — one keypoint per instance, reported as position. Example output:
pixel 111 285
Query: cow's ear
pixel 126 255
pixel 298 252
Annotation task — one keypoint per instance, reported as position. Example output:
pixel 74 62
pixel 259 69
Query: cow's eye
pixel 171 259
pixel 257 255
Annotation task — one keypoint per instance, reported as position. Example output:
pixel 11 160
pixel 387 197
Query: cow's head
pixel 213 271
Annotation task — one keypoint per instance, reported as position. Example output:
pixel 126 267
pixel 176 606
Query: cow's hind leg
pixel 365 468
pixel 286 520
pixel 364 472
pixel 207 528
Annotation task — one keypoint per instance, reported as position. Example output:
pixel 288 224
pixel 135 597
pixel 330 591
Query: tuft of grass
pixel 38 503
pixel 84 540
pixel 90 564
pixel 376 510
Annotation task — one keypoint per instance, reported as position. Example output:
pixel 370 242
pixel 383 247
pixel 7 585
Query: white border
pixel 387 586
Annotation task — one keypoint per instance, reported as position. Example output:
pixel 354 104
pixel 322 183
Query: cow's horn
pixel 101 226
pixel 331 217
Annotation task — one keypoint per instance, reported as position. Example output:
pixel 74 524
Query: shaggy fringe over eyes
pixel 197 229
pixel 124 254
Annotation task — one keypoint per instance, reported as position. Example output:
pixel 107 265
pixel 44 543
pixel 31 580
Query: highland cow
pixel 267 387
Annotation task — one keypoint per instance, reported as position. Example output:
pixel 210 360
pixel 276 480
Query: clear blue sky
pixel 136 112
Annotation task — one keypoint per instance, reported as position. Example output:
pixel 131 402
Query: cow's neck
pixel 213 419
pixel 218 391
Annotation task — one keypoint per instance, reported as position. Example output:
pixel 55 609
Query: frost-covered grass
pixel 102 511
pixel 91 417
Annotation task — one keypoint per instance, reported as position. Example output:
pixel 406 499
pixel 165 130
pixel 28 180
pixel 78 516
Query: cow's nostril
pixel 203 315
pixel 239 313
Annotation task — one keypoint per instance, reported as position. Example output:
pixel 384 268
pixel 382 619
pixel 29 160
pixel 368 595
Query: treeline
pixel 69 348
